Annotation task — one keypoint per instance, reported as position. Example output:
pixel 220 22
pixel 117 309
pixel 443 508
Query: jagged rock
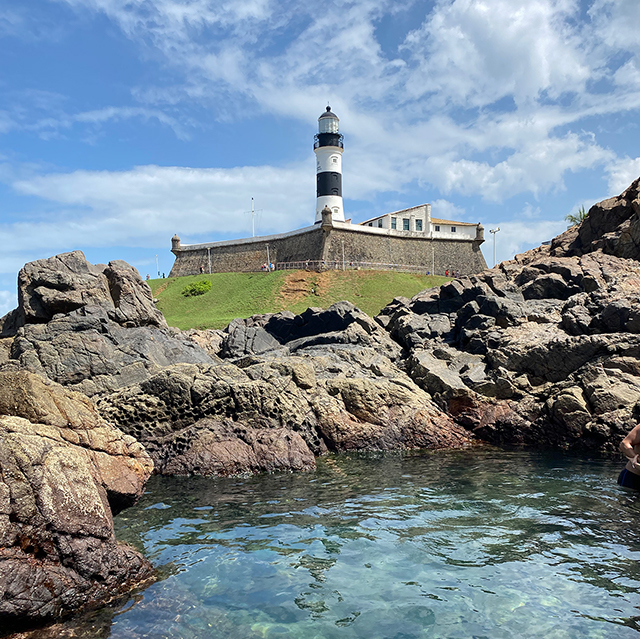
pixel 326 398
pixel 341 323
pixel 90 353
pixel 63 471
pixel 611 226
pixel 209 340
pixel 555 329
pixel 244 339
pixel 93 328
pixel 67 282
pixel 413 331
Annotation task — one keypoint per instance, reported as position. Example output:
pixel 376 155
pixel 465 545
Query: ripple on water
pixel 439 545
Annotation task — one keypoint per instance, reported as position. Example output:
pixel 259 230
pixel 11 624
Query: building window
pixel 405 224
pixel 379 224
pixel 453 229
pixel 438 229
pixel 394 223
pixel 418 225
pixel 370 223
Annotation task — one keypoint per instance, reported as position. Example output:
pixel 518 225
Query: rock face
pixel 278 412
pixel 612 226
pixel 542 350
pixel 94 328
pixel 63 472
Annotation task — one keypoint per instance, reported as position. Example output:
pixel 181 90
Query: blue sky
pixel 123 122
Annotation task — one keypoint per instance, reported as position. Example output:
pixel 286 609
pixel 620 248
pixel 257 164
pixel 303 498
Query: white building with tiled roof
pixel 417 219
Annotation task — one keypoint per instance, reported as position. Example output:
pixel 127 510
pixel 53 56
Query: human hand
pixel 634 462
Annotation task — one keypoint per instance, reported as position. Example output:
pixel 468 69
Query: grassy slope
pixel 244 294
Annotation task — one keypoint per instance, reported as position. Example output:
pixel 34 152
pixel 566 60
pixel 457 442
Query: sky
pixel 123 122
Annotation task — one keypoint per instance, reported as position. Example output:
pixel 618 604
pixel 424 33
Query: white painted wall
pixel 334 202
pixel 329 158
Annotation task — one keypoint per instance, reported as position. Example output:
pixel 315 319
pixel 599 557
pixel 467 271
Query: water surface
pixel 488 544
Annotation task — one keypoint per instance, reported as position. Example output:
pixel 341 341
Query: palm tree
pixel 576 218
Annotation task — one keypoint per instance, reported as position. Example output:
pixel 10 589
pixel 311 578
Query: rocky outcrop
pixel 341 323
pixel 540 350
pixel 278 412
pixel 543 350
pixel 93 328
pixel 64 471
pixel 612 226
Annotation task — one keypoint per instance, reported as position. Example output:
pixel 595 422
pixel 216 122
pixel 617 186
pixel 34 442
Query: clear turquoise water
pixel 489 544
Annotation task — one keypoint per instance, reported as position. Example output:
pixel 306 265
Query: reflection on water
pixel 448 544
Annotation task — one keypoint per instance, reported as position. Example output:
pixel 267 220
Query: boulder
pixel 278 411
pixel 88 352
pixel 64 473
pixel 67 282
pixel 93 328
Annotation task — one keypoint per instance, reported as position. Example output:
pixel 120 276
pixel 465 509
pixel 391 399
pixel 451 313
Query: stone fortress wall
pixel 324 242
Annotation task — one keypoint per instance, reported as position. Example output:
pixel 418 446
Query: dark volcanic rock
pixel 63 471
pixel 67 282
pixel 278 412
pixel 612 226
pixel 341 323
pixel 94 328
pixel 542 328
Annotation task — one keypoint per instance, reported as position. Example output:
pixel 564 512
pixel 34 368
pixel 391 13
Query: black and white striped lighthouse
pixel 328 148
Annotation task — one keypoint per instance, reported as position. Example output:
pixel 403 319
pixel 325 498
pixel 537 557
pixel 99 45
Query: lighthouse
pixel 328 148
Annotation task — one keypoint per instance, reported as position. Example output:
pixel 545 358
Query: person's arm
pixel 627 444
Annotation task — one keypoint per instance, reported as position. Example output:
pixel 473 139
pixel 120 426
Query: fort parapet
pixel 331 241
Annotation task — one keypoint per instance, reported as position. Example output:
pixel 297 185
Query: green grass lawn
pixel 244 294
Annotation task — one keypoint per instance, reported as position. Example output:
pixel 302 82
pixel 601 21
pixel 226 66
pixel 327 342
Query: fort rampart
pixel 330 241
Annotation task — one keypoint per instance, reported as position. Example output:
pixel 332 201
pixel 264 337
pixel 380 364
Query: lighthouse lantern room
pixel 328 147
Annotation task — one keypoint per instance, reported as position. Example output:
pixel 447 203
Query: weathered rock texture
pixel 63 472
pixel 94 328
pixel 542 350
pixel 276 413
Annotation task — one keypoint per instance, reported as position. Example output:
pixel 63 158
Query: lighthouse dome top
pixel 328 122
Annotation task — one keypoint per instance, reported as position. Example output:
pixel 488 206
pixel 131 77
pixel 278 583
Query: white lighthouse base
pixel 334 202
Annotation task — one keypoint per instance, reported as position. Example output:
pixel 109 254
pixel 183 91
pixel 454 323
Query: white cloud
pixel 446 210
pixel 616 23
pixel 621 173
pixel 530 212
pixel 49 125
pixel 474 52
pixel 147 205
pixel 517 236
pixel 431 104
pixel 535 167
pixel 8 301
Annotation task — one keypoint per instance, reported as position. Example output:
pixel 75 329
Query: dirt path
pixel 300 284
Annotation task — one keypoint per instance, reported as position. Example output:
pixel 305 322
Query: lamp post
pixel 157 267
pixel 343 255
pixel 493 232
